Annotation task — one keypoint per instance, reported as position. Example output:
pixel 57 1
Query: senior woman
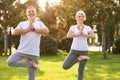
pixel 79 48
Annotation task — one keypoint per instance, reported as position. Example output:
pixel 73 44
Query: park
pixel 104 50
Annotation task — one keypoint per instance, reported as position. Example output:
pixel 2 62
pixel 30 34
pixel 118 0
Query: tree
pixel 5 8
pixel 104 18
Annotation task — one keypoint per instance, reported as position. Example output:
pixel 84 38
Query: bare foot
pixel 83 57
pixel 35 65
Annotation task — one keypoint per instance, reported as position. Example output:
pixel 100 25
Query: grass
pixel 51 69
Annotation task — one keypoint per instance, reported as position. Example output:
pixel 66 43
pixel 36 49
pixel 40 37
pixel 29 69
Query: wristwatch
pixel 33 29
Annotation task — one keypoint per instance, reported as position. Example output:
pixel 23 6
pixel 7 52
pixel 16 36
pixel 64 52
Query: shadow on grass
pixel 104 69
pixel 53 58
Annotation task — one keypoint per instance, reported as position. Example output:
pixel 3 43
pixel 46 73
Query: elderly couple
pixel 31 31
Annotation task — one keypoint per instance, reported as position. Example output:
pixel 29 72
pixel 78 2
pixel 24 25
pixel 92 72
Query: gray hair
pixel 29 7
pixel 79 13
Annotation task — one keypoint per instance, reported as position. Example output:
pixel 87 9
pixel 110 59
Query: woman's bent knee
pixel 65 67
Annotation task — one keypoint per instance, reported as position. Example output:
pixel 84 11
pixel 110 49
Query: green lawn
pixel 51 69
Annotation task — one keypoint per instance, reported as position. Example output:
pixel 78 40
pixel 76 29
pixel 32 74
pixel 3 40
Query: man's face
pixel 31 13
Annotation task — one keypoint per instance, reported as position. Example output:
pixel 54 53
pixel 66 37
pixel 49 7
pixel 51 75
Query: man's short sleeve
pixel 42 25
pixel 19 26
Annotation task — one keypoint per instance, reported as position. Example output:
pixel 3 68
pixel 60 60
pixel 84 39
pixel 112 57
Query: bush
pixel 48 46
pixel 116 46
pixel 64 44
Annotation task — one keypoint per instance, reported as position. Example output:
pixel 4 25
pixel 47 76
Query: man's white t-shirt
pixel 30 41
pixel 80 43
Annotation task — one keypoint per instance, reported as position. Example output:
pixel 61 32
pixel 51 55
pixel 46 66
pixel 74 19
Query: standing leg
pixel 81 66
pixel 32 71
pixel 70 60
pixel 81 69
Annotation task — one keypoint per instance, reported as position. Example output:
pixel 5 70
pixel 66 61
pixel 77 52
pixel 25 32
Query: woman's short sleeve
pixel 89 29
pixel 72 28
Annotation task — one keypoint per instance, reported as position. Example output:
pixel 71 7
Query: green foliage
pixel 116 46
pixel 49 18
pixel 6 7
pixel 65 44
pixel 15 40
pixel 48 46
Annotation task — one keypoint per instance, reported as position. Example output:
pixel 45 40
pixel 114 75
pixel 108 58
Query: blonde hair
pixel 79 13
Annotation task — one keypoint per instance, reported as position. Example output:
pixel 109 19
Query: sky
pixel 42 2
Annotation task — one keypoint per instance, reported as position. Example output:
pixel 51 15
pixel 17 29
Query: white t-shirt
pixel 80 43
pixel 30 41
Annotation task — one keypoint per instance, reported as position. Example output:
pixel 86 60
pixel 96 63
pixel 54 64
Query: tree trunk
pixel 5 42
pixel 117 31
pixel 104 56
pixel 10 44
pixel 109 44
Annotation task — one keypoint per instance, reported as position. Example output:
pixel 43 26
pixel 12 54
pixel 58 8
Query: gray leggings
pixel 71 59
pixel 15 60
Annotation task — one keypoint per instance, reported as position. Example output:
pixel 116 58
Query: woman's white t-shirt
pixel 30 41
pixel 80 43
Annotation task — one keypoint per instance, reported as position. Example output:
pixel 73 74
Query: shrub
pixel 48 46
pixel 64 44
pixel 116 46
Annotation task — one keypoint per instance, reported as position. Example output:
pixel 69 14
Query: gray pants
pixel 71 59
pixel 15 60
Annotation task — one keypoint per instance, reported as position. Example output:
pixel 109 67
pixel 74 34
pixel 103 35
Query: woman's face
pixel 80 18
pixel 31 13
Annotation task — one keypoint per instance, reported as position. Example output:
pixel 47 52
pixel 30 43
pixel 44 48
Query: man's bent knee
pixel 10 63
